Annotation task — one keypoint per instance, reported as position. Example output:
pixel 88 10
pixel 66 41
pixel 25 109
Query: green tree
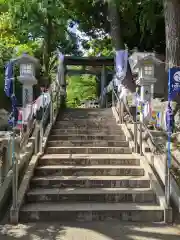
pixel 117 40
pixel 10 46
pixel 46 20
pixel 81 88
pixel 142 22
pixel 100 47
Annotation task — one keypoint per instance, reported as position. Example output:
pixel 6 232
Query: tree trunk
pixel 117 40
pixel 47 46
pixel 172 24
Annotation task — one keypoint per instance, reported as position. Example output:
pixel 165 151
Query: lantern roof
pixel 149 59
pixel 26 58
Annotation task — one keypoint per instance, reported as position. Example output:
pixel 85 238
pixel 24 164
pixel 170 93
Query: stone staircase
pixel 89 173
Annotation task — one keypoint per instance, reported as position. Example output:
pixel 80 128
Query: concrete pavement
pixel 90 231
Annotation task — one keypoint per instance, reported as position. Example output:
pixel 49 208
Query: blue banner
pixel 8 88
pixel 173 90
pixel 13 118
pixel 173 83
pixel 8 81
pixel 121 64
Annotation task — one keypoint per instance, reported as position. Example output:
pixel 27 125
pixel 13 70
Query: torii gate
pixel 94 62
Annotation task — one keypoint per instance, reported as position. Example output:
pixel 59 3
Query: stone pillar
pixel 27 94
pixel 63 71
pixel 103 85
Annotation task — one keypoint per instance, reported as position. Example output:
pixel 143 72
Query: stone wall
pixel 161 86
pixel 157 105
pixel 4 115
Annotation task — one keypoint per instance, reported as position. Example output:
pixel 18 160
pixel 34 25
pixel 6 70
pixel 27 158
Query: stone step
pixel 87 150
pixel 89 159
pixel 86 117
pixel 84 124
pixel 88 143
pixel 90 182
pixel 91 212
pixel 86 131
pixel 87 110
pixel 86 127
pixel 88 137
pixel 96 170
pixel 86 113
pixel 95 120
pixel 138 195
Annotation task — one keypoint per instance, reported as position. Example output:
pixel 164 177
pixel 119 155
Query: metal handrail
pixel 136 127
pixel 121 117
pixel 156 147
pixel 143 124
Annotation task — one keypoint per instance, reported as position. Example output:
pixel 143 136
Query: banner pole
pixel 14 211
pixel 169 123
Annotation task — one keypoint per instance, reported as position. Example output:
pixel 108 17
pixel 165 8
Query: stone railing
pixel 30 143
pixel 153 145
pixel 5 153
pixel 136 132
pixel 158 157
pixel 8 164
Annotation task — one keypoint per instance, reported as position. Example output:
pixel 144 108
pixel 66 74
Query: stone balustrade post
pixel 41 137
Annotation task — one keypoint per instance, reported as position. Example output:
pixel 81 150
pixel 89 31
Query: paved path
pixel 90 231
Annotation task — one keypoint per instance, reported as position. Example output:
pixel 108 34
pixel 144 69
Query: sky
pixel 81 36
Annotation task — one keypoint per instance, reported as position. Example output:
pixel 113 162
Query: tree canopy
pixel 49 22
pixel 40 27
pixel 142 22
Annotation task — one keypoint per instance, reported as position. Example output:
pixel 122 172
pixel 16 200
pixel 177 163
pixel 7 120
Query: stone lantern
pixel 27 64
pixel 146 76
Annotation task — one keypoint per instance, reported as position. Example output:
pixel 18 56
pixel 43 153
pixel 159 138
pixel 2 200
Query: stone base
pixel 88 160
pixel 86 143
pixel 91 212
pixel 89 171
pixel 107 195
pixel 78 137
pixel 14 216
pixel 90 182
pixel 88 150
